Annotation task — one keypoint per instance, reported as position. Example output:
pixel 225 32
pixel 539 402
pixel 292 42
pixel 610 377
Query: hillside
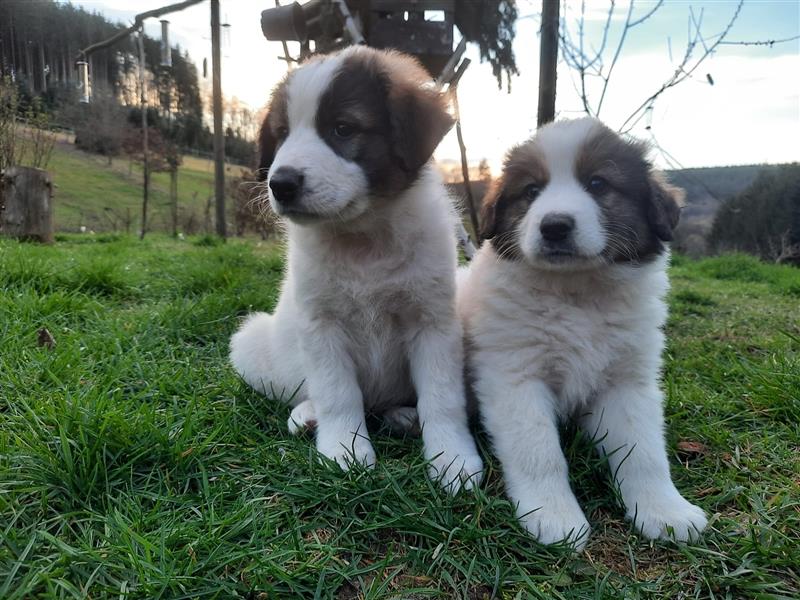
pixel 706 188
pixel 90 192
pixel 100 196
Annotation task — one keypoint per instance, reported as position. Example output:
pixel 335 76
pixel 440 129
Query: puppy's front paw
pixel 456 470
pixel 667 516
pixel 302 418
pixel 557 520
pixel 348 450
pixel 453 459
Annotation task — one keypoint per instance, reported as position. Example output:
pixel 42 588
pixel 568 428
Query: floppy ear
pixel 488 216
pixel 664 209
pixel 266 150
pixel 419 121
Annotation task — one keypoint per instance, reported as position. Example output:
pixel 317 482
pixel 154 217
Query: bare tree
pixel 9 132
pixel 41 139
pixel 26 137
pixel 600 63
pixel 100 127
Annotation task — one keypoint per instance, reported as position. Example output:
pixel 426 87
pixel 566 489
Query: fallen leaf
pixel 691 448
pixel 45 339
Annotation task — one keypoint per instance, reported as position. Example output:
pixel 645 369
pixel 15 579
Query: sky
pixel 751 114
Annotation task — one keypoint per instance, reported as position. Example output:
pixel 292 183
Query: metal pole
pixel 548 60
pixel 143 104
pixel 219 142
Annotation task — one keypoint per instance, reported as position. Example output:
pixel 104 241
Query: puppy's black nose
pixel 556 227
pixel 285 184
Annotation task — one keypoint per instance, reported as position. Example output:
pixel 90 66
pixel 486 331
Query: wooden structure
pixel 423 28
pixel 26 204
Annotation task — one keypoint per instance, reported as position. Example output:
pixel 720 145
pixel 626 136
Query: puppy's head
pixel 577 195
pixel 346 130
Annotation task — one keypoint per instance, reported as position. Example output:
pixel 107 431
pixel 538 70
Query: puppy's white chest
pixel 373 316
pixel 575 347
pixel 582 346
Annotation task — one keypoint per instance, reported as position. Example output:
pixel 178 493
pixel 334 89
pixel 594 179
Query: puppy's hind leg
pixel 402 420
pixel 265 353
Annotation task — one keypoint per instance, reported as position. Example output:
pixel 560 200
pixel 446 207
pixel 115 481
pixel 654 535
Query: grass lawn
pixel 134 463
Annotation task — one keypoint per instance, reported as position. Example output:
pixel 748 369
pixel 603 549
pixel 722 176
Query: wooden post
pixel 548 60
pixel 173 198
pixel 143 103
pixel 26 204
pixel 219 141
pixel 43 63
pixel 473 214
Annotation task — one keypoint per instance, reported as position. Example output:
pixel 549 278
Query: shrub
pixel 764 219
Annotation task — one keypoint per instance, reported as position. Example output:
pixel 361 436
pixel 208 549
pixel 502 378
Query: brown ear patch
pixel 419 122
pixel 397 119
pixel 488 213
pixel 418 113
pixel 664 211
pixel 267 144
pixel 268 141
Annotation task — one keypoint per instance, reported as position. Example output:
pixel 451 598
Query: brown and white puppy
pixel 563 308
pixel 366 318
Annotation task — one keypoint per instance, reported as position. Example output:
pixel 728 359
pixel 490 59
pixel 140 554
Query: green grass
pixel 116 192
pixel 134 463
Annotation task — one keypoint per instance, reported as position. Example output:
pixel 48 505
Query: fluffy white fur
pixel 547 343
pixel 366 317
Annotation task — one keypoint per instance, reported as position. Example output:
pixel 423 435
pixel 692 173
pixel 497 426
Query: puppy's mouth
pixel 559 252
pixel 299 214
pixel 564 256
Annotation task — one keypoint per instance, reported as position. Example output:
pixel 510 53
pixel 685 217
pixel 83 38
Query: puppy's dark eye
pixel 282 132
pixel 531 191
pixel 598 185
pixel 344 130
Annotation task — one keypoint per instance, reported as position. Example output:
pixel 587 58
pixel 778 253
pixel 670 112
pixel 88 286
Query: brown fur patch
pixel 666 201
pixel 269 137
pixel 419 113
pixel 400 118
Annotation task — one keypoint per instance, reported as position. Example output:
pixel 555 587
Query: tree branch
pixel 681 73
pixel 761 43
pixel 137 22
